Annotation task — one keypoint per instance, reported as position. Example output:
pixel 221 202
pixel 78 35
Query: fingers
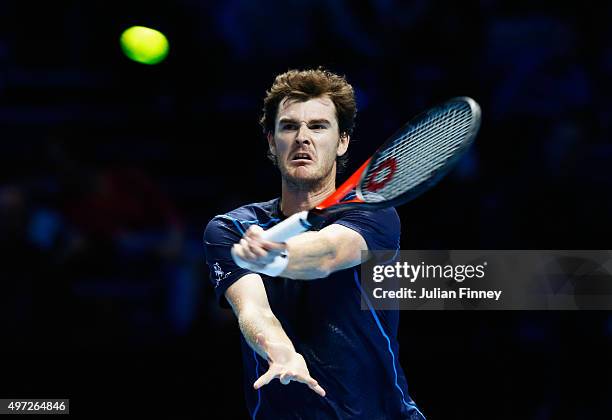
pixel 286 377
pixel 246 249
pixel 318 389
pixel 277 247
pixel 311 382
pixel 254 236
pixel 254 249
pixel 244 259
pixel 264 379
pixel 256 252
pixel 254 230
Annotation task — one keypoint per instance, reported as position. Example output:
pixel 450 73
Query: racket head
pixel 420 154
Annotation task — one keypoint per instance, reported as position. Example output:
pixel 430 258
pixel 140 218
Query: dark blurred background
pixel 110 170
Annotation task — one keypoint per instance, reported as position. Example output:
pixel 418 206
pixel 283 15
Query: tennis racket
pixel 409 163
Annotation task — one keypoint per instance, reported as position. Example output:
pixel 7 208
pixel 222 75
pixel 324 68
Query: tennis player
pixel 305 326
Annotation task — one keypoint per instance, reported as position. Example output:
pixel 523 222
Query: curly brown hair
pixel 308 84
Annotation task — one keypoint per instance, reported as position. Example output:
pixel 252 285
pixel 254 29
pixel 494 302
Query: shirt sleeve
pixel 380 228
pixel 219 236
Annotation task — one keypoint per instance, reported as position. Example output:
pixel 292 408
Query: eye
pixel 318 127
pixel 289 127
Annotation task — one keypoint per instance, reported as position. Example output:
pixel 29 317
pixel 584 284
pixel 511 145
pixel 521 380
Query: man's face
pixel 306 141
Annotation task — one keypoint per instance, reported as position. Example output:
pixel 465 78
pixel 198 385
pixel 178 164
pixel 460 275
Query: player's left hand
pixel 255 250
pixel 285 364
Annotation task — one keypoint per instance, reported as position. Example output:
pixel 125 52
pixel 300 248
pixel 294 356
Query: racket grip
pixel 273 269
pixel 288 228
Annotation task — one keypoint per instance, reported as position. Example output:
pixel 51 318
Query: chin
pixel 302 179
pixel 305 172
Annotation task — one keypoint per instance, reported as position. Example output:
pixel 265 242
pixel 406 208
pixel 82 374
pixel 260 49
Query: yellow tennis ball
pixel 144 45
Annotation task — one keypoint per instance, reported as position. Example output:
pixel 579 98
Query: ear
pixel 343 144
pixel 271 144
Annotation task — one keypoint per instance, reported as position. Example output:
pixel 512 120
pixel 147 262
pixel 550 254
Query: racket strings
pixel 423 158
pixel 426 150
pixel 435 146
pixel 420 152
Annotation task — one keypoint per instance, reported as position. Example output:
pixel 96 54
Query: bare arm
pixel 250 305
pixel 312 255
pixel 265 334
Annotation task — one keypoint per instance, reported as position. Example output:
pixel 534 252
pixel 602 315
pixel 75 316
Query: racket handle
pixel 273 269
pixel 288 228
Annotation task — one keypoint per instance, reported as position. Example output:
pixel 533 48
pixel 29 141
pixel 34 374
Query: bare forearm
pixel 255 321
pixel 315 255
pixel 311 256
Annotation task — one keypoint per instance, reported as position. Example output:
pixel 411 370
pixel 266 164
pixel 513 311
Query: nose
pixel 303 134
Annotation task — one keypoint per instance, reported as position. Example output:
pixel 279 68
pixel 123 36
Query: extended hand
pixel 286 365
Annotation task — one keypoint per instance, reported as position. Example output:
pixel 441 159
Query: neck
pixel 295 199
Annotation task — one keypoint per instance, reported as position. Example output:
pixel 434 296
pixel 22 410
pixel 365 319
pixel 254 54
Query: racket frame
pixel 332 204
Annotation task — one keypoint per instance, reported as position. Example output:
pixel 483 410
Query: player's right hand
pixel 253 252
pixel 253 249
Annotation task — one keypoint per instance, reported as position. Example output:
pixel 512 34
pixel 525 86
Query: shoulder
pixel 385 217
pixel 235 220
pixel 379 228
pixel 390 216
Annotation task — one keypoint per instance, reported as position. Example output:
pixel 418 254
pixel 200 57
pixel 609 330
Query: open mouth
pixel 301 157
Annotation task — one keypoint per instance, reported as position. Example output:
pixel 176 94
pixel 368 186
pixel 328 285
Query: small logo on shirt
pixel 219 274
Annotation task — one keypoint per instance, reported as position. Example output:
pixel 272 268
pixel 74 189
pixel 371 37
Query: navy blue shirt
pixel 352 353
